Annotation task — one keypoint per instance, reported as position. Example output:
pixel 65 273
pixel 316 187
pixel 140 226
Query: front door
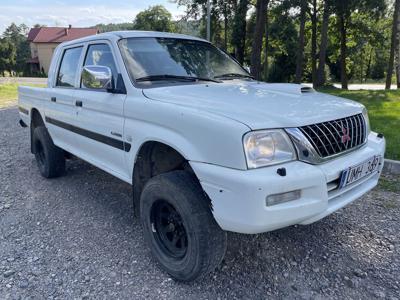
pixel 100 116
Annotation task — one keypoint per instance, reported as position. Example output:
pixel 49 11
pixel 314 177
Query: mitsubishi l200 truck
pixel 207 148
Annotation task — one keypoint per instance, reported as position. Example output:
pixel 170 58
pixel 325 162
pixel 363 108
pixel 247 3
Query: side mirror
pixel 97 77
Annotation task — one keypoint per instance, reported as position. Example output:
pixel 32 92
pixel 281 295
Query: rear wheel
pixel 49 157
pixel 179 227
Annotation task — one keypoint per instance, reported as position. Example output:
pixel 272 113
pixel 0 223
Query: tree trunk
pixel 322 48
pixel 225 27
pixel 368 72
pixel 397 55
pixel 392 46
pixel 300 50
pixel 266 46
pixel 362 69
pixel 257 38
pixel 314 43
pixel 398 71
pixel 239 34
pixel 343 51
pixel 397 59
pixel 398 76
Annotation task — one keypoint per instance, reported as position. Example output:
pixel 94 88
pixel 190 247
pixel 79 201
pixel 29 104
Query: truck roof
pixel 114 35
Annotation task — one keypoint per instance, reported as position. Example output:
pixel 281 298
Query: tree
pixel 156 18
pixel 283 40
pixel 7 55
pixel 300 49
pixel 339 39
pixel 226 12
pixel 17 35
pixel 320 80
pixel 314 41
pixel 114 27
pixel 343 15
pixel 266 44
pixel 393 47
pixel 261 9
pixel 344 10
pixel 239 30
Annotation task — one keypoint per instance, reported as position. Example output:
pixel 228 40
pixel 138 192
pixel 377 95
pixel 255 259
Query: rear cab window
pixel 69 67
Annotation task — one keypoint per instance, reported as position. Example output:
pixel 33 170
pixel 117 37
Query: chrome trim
pixel 365 125
pixel 340 146
pixel 352 133
pixel 323 124
pixel 361 133
pixel 323 143
pixel 97 77
pixel 348 133
pixel 357 125
pixel 302 144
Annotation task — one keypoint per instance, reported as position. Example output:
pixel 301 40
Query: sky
pixel 78 13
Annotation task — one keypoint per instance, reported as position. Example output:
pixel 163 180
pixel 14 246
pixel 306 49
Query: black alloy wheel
pixel 168 229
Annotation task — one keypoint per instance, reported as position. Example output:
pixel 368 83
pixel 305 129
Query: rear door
pixel 100 116
pixel 60 110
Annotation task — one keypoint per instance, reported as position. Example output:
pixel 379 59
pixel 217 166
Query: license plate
pixel 355 173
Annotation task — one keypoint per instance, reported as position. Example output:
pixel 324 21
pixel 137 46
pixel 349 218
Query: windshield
pixel 170 58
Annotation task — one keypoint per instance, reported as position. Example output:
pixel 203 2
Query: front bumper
pixel 239 196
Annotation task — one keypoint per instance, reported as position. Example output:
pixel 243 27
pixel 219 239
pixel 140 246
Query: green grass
pixel 391 184
pixel 384 114
pixel 9 93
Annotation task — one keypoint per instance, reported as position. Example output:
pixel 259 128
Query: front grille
pixel 333 137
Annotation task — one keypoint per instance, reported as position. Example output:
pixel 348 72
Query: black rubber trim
pixel 22 123
pixel 23 110
pixel 91 135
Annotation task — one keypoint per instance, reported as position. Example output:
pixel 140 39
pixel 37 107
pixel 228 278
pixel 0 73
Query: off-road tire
pixel 206 241
pixel 49 157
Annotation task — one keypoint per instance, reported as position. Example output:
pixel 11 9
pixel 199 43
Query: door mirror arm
pixel 118 86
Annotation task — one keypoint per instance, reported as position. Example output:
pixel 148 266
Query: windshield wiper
pixel 234 75
pixel 174 77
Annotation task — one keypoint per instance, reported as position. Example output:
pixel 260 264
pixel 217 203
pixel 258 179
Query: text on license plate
pixel 359 171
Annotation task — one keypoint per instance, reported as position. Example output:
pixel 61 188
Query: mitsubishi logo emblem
pixel 346 136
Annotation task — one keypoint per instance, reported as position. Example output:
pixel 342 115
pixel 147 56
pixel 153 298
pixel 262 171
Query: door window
pixel 69 67
pixel 101 55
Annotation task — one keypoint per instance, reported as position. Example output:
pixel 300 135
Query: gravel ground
pixel 75 237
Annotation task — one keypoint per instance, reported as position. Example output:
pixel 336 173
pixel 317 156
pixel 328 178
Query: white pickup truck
pixel 207 148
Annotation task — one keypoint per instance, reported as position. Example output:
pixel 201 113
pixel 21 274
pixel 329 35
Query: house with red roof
pixel 43 41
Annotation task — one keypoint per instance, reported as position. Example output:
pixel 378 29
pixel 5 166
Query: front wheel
pixel 179 227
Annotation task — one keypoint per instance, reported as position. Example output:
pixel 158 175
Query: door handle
pixel 53 99
pixel 78 103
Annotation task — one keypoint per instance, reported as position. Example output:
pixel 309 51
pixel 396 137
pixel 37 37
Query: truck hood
pixel 258 105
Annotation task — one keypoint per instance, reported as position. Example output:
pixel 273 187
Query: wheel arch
pixel 36 120
pixel 154 158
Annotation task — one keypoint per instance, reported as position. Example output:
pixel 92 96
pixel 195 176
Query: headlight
pixel 366 118
pixel 267 147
